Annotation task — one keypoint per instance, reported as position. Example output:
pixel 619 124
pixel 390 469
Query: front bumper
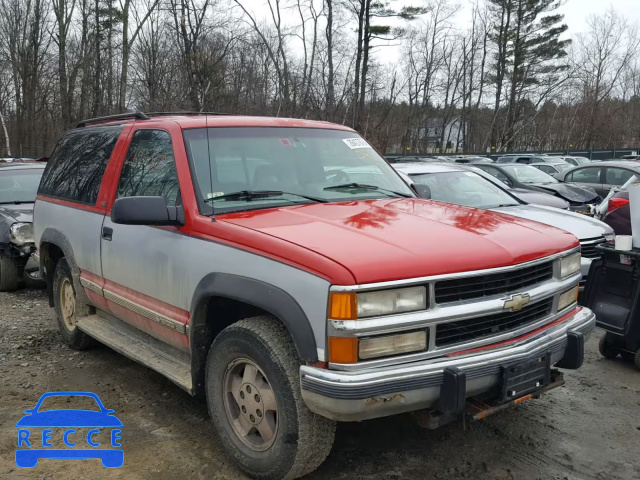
pixel 365 394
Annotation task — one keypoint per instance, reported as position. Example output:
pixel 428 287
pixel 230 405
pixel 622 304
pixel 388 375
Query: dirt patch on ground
pixel 589 429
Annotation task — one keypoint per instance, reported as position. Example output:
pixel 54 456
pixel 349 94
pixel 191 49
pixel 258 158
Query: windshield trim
pixel 207 209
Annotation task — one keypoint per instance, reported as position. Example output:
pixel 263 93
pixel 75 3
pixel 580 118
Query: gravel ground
pixel 588 429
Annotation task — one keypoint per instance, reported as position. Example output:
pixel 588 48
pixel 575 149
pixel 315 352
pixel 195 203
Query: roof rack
pixel 165 114
pixel 108 118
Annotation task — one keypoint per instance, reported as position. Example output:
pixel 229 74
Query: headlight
pixel 386 345
pixel 568 298
pixel 21 233
pixel 569 265
pixel 386 302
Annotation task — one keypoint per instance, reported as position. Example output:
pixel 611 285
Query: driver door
pixel 140 263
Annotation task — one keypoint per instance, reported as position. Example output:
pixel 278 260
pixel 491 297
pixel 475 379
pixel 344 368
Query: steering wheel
pixel 336 175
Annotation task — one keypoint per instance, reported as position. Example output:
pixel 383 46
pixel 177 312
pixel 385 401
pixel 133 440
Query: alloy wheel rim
pixel 67 304
pixel 250 404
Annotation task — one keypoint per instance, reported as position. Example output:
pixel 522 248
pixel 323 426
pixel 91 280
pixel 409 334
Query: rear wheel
pixel 8 274
pixel 69 308
pixel 253 393
pixel 607 347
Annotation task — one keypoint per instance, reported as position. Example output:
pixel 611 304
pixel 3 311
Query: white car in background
pixel 462 186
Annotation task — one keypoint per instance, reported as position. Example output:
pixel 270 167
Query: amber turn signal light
pixel 343 350
pixel 343 306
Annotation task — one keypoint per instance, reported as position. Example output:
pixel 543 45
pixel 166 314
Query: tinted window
pixel 18 186
pixel 149 169
pixel 585 175
pixel 524 160
pixel 617 176
pixel 74 171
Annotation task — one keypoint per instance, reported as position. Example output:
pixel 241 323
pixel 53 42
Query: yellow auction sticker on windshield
pixel 354 143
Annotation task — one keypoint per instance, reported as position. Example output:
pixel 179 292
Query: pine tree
pixel 529 54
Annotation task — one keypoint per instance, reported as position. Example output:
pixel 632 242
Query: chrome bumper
pixel 365 394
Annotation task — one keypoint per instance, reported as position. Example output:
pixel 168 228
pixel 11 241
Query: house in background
pixel 452 139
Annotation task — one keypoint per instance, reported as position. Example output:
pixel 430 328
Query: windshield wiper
pixel 250 195
pixel 364 186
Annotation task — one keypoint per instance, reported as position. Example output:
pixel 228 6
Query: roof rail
pixel 108 118
pixel 165 114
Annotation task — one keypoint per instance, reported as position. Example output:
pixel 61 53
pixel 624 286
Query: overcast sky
pixel 575 13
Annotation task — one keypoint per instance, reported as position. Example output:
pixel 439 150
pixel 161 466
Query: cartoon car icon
pixel 78 445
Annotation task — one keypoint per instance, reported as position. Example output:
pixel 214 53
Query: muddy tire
pixel 69 308
pixel 253 394
pixel 8 274
pixel 607 347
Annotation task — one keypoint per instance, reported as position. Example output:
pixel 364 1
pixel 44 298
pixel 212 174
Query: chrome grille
pixel 477 328
pixel 588 247
pixel 492 284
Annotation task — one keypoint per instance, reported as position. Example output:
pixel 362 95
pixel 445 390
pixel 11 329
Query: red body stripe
pixel 522 337
pixel 67 203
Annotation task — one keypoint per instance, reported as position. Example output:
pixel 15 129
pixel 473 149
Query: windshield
pixel 528 174
pixel 19 186
pixel 464 188
pixel 306 165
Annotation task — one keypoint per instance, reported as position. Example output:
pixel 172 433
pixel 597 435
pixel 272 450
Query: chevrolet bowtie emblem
pixel 516 302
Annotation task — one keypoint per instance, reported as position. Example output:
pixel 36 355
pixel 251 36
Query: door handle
pixel 107 233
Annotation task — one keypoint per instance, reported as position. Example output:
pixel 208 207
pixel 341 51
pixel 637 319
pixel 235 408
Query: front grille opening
pixel 448 291
pixel 588 248
pixel 478 328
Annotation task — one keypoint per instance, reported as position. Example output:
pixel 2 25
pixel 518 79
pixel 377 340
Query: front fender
pixel 258 294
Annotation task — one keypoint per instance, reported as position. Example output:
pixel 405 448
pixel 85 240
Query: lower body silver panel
pixel 361 395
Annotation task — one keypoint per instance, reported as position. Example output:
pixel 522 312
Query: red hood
pixel 381 240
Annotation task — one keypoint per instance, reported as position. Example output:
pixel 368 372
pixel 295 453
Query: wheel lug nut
pixel 259 413
pixel 242 395
pixel 252 418
pixel 257 398
pixel 244 409
pixel 248 389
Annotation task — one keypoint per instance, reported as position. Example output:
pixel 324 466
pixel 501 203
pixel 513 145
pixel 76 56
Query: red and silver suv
pixel 283 268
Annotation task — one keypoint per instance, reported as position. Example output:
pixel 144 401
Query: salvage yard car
pixel 580 198
pixel 18 186
pixel 458 185
pixel 237 257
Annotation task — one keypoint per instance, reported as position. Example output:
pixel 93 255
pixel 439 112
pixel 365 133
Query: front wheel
pixel 8 274
pixel 253 393
pixel 608 348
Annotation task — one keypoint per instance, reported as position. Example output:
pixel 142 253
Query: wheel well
pixel 49 256
pixel 220 313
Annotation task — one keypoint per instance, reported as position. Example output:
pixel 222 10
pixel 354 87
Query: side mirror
pixel 423 191
pixel 145 211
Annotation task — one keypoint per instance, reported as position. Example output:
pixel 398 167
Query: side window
pixel 524 160
pixel 501 176
pixel 75 170
pixel 617 176
pixel 546 169
pixel 585 175
pixel 149 168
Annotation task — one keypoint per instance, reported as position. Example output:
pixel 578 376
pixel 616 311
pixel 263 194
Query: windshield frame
pixel 207 208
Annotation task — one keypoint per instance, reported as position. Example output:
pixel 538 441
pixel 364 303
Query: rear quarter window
pixel 75 170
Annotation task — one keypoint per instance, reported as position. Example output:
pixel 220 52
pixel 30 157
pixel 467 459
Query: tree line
pixel 509 78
